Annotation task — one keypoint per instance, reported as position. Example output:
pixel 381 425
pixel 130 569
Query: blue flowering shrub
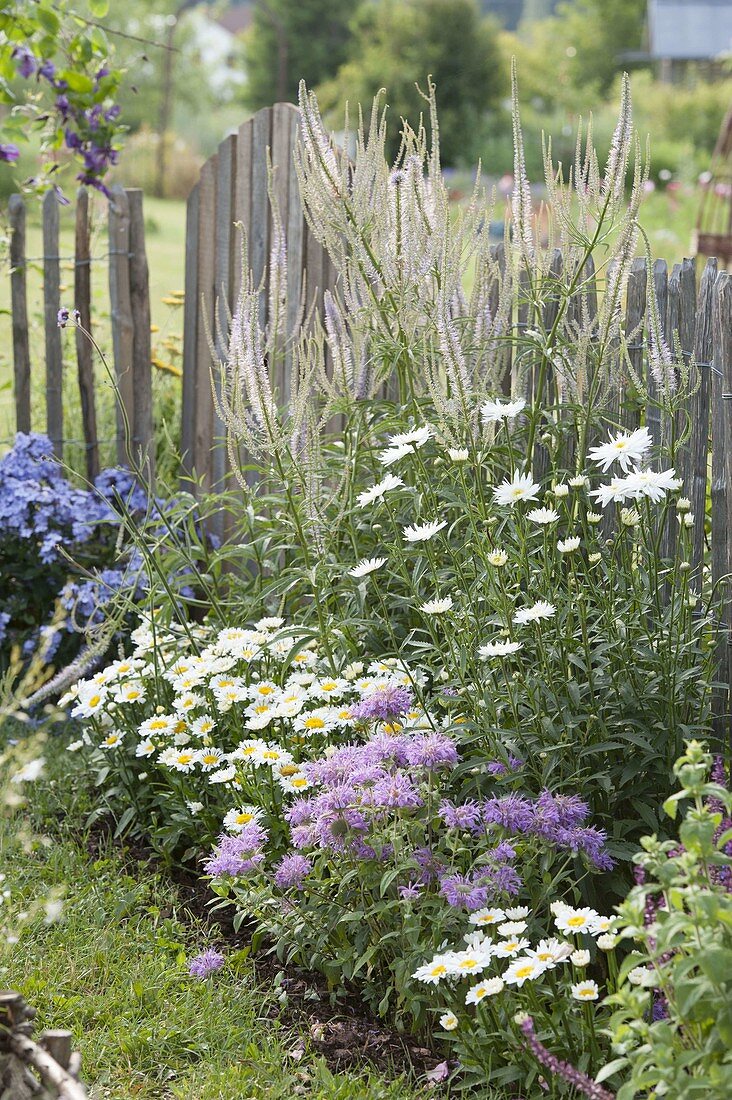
pixel 60 559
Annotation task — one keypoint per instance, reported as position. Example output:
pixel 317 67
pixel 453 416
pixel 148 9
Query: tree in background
pixel 294 40
pixel 397 44
pixel 600 32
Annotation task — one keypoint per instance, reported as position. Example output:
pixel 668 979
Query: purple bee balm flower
pixel 383 704
pixel 467 816
pixel 239 854
pixel 395 792
pixel 512 812
pixel 63 106
pixel 47 70
pixel 411 891
pixel 291 870
pixel 205 964
pixel 431 751
pixel 469 892
pixel 9 152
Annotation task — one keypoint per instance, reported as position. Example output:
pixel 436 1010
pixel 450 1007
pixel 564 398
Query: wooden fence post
pixel 143 439
pixel 52 304
pixel 190 343
pixel 19 311
pixel 722 496
pixel 84 350
pixel 121 313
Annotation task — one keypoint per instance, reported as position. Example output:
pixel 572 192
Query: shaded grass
pixel 113 970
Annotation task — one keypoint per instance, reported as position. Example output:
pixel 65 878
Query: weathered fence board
pixel 19 309
pixel 121 312
pixel 143 440
pixel 35 1070
pixel 721 490
pixel 51 306
pixel 84 356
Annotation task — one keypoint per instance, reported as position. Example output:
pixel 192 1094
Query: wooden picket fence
pixel 130 323
pixel 34 1070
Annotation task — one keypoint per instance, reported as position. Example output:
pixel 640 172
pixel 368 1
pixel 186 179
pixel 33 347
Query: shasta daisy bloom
pixel 506 949
pixel 376 492
pixel 517 912
pixel 575 920
pixel 521 487
pixel 263 689
pixel 615 491
pixel 579 482
pixel 602 924
pixel 550 952
pixel 270 622
pixel 522 970
pixel 294 784
pixel 236 820
pixel 458 454
pixel 543 515
pixel 202 726
pixel 493 411
pixel 318 721
pixel 484 917
pixel 499 649
pixel 182 760
pixel 422 532
pixel 131 693
pixel 471 961
pixel 433 972
pixel 145 748
pixel 585 991
pixel 448 1021
pixel 488 988
pixel 497 558
pixel 210 759
pixel 224 775
pixel 540 610
pixel 607 941
pixel 560 491
pixel 248 750
pixel 112 740
pixel 417 437
pixel 511 928
pixel 187 702
pixel 366 566
pixel 568 546
pixel 91 701
pixel 160 725
pixel 259 716
pixel 624 448
pixel 652 484
pixel 328 688
pixel 438 606
pixel 580 958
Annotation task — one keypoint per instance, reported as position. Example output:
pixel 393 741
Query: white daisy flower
pixel 272 622
pixel 329 688
pixel 493 411
pixel 499 649
pixel 614 492
pixel 438 606
pixel 433 972
pixel 594 518
pixel 194 807
pixel 145 748
pixel 294 784
pixel 580 958
pixel 366 566
pixel 585 991
pixel 575 920
pixel 550 952
pixel 182 759
pixel 568 546
pixel 259 715
pixel 458 454
pixel 112 740
pixel 522 970
pixel 210 758
pixel 517 912
pixel 224 775
pixel 263 691
pixel 187 702
pixel 652 484
pixel 540 610
pixel 470 961
pixel 520 487
pixel 579 482
pixel 506 949
pixel 159 725
pixel 497 558
pixel 235 820
pixel 484 917
pixel 393 454
pixel 488 988
pixel 686 519
pixel 422 532
pixel 624 448
pixel 376 492
pixel 202 726
pixel 448 1021
pixel 318 721
pixel 543 515
pixel 248 750
pixel 630 517
pixel 607 941
pixel 91 701
pixel 417 437
pixel 560 491
pixel 511 928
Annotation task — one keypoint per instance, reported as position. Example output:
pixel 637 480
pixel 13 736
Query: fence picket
pixel 190 326
pixel 143 439
pixel 51 306
pixel 635 312
pixel 722 494
pixel 121 311
pixel 84 350
pixel 19 310
pixel 696 454
pixel 203 441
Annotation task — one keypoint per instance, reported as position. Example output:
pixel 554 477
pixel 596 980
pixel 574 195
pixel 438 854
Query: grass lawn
pixel 112 970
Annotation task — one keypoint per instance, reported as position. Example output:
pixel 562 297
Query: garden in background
pixel 374 740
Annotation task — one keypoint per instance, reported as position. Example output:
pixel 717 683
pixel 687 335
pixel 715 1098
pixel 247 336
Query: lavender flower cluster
pixel 239 854
pixel 88 125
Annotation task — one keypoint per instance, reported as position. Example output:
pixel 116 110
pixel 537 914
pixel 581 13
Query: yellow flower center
pixel 244 819
pixel 287 770
pixel 467 964
pixel 185 757
pixel 439 970
pixel 330 686
pixel 300 782
pixel 95 700
pixel 158 724
pixel 314 724
pixel 577 921
pixel 524 971
pixel 265 689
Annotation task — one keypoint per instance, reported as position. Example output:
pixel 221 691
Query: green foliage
pixel 679 921
pixel 110 966
pixel 290 41
pixel 398 44
pixel 599 31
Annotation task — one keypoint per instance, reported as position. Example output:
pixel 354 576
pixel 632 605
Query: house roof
pixel 689 30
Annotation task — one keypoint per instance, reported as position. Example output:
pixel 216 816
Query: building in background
pixel 684 32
